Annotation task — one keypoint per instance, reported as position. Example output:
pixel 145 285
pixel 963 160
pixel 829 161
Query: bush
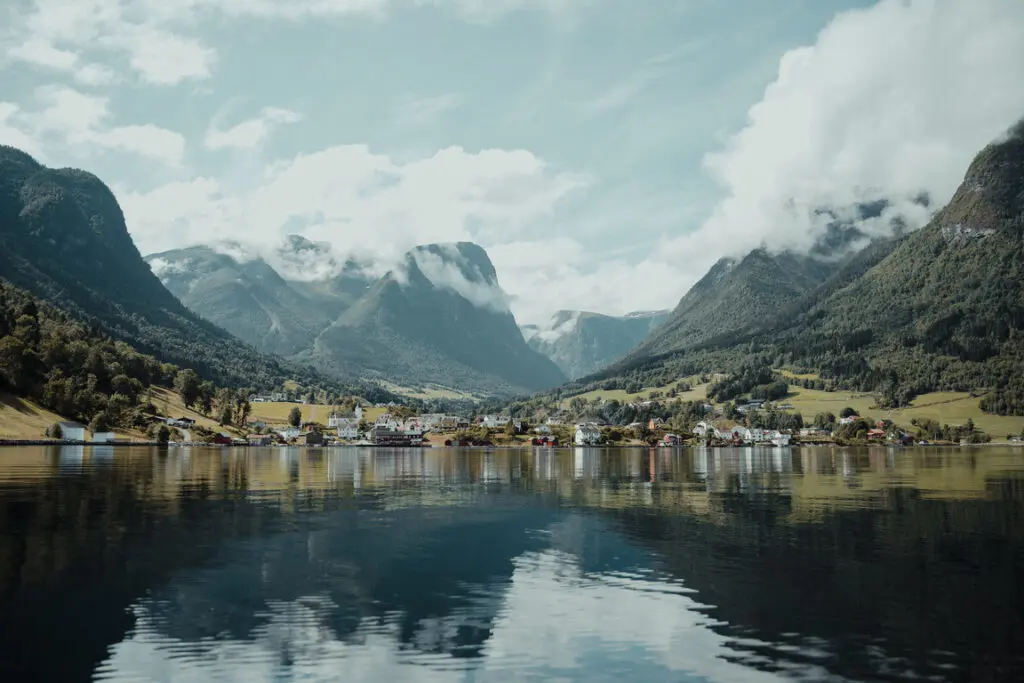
pixel 54 431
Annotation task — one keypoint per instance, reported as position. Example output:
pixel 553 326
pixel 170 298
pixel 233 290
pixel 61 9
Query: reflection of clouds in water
pixel 553 623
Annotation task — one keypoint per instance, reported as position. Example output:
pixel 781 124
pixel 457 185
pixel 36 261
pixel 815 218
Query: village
pixel 396 425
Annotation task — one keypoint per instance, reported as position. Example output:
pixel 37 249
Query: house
pixel 290 433
pixel 348 428
pixel 849 420
pixel 223 439
pixel 182 422
pixel 671 440
pixel 814 432
pixel 703 429
pixel 587 434
pixel 260 440
pixel 314 438
pixel 386 421
pixel 876 434
pixel 654 423
pixel 72 431
pixel 103 437
pixel 335 418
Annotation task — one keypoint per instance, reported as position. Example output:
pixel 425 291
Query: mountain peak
pixel 463 268
pixel 991 196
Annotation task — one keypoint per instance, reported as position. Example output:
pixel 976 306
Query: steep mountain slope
pixel 755 291
pixel 736 294
pixel 939 309
pixel 581 343
pixel 63 238
pixel 440 318
pixel 249 298
pixel 946 308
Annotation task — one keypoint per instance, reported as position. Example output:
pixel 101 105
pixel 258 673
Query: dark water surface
pixel 576 565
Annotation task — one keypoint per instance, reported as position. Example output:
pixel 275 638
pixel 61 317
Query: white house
pixel 72 431
pixel 387 421
pixel 336 418
pixel 702 429
pixel 587 434
pixel 290 433
pixel 348 428
pixel 102 437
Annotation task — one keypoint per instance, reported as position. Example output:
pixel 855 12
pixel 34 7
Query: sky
pixel 605 153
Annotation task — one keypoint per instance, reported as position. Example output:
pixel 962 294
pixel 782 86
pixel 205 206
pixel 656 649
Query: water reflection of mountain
pixel 844 560
pixel 868 593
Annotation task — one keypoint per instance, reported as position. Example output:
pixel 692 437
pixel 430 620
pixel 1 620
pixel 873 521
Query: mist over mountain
pixel 937 309
pixel 749 292
pixel 63 238
pixel 440 317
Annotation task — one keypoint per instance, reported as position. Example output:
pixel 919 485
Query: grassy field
pixel 277 413
pixel 699 392
pixel 426 393
pixel 21 419
pixel 950 408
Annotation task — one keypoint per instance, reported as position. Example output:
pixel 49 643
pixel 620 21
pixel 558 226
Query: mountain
pixel 581 342
pixel 439 318
pixel 944 309
pixel 941 308
pixel 752 291
pixel 735 294
pixel 250 299
pixel 63 238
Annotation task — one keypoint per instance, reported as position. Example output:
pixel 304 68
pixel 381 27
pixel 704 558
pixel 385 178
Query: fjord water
pixel 575 565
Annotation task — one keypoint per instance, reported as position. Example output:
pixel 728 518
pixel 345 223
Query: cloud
pixel 157 37
pixel 162 57
pixel 426 110
pixel 14 132
pixel 890 101
pixel 43 54
pixel 78 120
pixel 356 200
pixel 251 133
pixel 451 270
pixel 543 276
pixel 623 92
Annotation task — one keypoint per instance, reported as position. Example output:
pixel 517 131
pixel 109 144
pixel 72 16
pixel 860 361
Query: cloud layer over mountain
pixel 595 183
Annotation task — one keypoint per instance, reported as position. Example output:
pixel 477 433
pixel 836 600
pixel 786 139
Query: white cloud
pixel 157 37
pixel 448 271
pixel 94 75
pixel 425 110
pixel 357 201
pixel 251 133
pixel 890 100
pixel 15 133
pixel 543 276
pixel 161 57
pixel 44 54
pixel 80 120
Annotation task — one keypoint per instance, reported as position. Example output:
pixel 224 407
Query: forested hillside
pixel 63 238
pixel 63 366
pixel 941 309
